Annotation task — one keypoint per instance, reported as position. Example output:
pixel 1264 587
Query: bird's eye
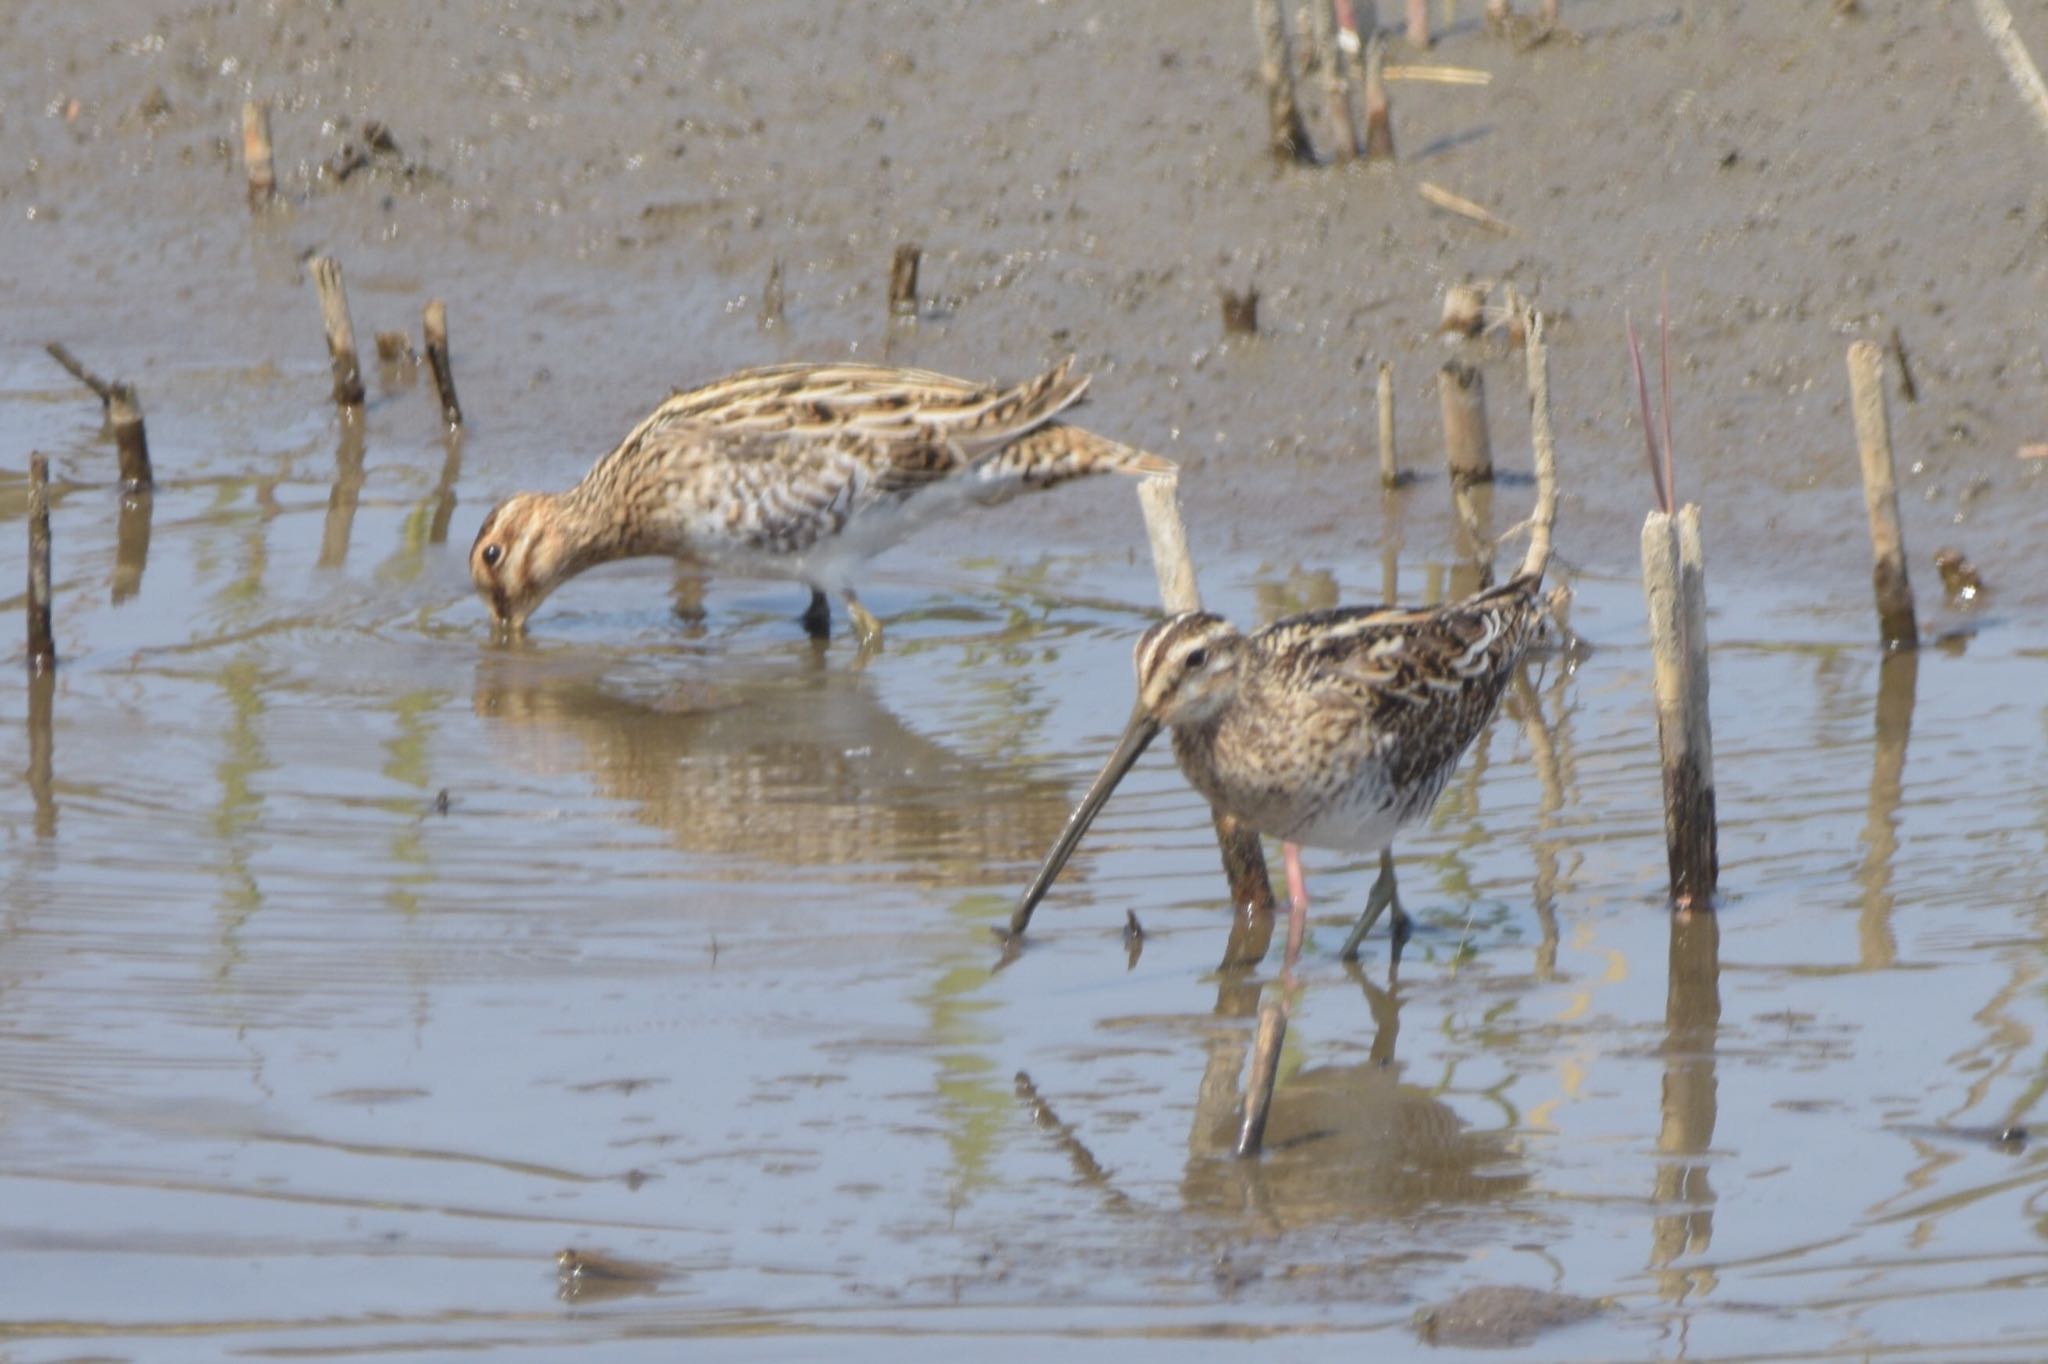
pixel 493 553
pixel 1198 658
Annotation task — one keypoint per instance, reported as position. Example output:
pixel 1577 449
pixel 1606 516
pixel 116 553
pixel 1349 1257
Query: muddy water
pixel 691 968
pixel 352 969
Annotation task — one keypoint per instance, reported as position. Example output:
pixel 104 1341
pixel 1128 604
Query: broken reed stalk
pixel 341 332
pixel 1258 1089
pixel 123 413
pixel 61 353
pixel 903 280
pixel 1335 62
pixel 42 644
pixel 434 326
pixel 1286 133
pixel 1674 586
pixel 1675 590
pixel 1379 114
pixel 1881 498
pixel 1418 23
pixel 1544 442
pixel 256 154
pixel 1467 449
pixel 1390 471
pixel 1244 860
pixel 131 441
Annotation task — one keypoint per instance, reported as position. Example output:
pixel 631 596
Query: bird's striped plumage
pixel 800 471
pixel 1333 729
pixel 1345 724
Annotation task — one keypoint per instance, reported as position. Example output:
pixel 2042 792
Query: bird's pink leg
pixel 1297 908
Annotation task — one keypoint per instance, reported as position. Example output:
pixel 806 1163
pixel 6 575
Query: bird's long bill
pixel 1139 733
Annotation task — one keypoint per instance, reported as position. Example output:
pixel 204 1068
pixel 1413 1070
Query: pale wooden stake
pixel 1895 616
pixel 341 332
pixel 1461 389
pixel 1418 23
pixel 1678 649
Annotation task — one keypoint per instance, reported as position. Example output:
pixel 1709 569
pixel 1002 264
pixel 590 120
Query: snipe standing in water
pixel 793 471
pixel 1334 729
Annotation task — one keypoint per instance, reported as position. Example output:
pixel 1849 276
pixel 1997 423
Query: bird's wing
pixel 1395 663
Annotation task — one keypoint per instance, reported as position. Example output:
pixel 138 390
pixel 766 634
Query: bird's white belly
pixel 1346 828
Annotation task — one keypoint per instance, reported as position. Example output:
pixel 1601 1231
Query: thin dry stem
pixel 1657 466
pixel 1544 520
pixel 1459 204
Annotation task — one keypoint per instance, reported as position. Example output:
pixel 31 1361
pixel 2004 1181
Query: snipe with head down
pixel 1335 729
pixel 797 471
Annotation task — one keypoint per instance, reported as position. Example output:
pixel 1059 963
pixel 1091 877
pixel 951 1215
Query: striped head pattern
pixel 521 554
pixel 1189 668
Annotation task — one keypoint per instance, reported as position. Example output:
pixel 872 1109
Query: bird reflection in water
pixel 1344 1143
pixel 795 765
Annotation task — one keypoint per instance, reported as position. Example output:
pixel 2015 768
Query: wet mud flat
pixel 352 968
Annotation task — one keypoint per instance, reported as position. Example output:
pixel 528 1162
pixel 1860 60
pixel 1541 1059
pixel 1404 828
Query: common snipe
pixel 793 471
pixel 1334 729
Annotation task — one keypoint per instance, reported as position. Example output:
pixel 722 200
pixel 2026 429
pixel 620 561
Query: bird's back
pixel 1351 720
pixel 774 460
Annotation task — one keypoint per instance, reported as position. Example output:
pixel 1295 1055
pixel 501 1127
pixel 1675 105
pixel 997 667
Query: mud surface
pixel 352 968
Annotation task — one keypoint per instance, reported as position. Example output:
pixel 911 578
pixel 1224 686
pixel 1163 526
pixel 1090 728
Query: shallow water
pixel 352 967
pixel 691 967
